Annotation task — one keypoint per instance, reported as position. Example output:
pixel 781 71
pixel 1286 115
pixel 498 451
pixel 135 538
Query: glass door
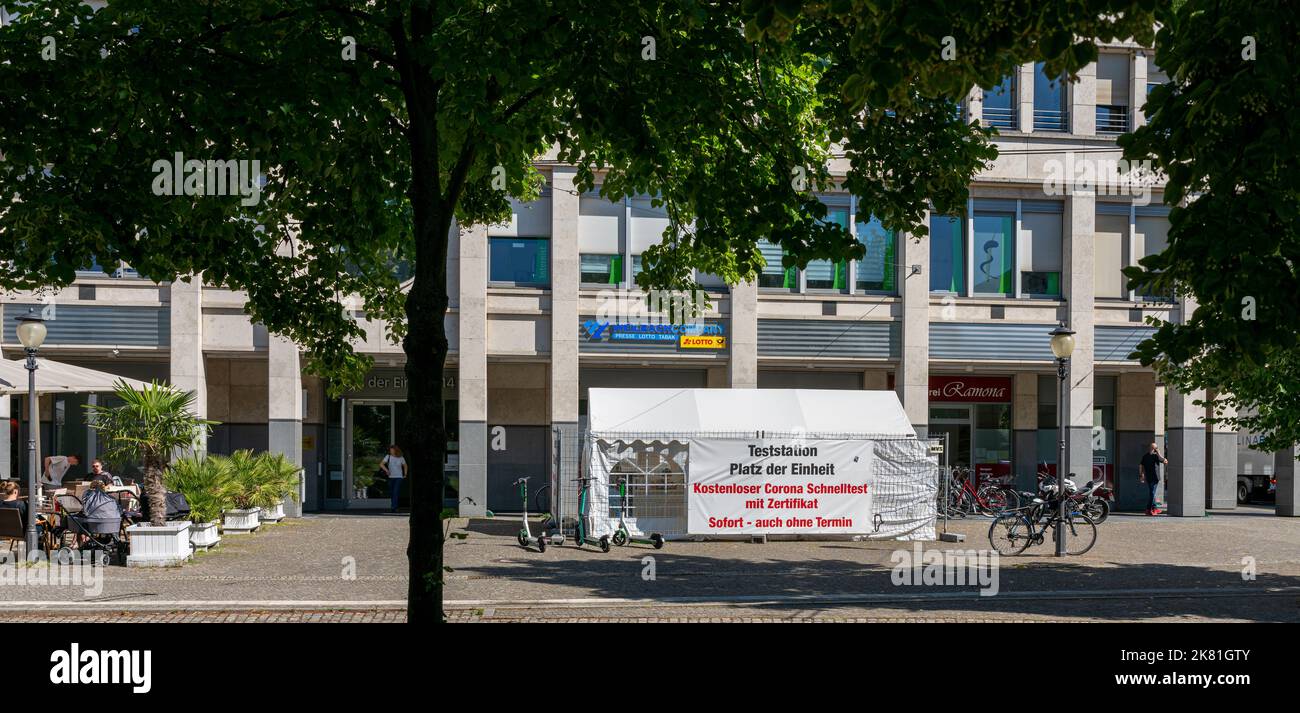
pixel 371 429
pixel 955 422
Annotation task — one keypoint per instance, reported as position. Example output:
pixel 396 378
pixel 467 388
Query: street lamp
pixel 1062 347
pixel 31 333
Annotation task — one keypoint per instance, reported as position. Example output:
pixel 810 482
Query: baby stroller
pixel 95 524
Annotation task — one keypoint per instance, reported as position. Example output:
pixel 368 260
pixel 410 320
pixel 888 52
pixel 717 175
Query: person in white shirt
pixel 394 466
pixel 56 467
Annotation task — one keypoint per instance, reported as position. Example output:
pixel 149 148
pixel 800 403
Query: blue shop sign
pixel 597 330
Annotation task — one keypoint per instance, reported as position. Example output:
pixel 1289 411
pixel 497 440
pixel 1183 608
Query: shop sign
pixel 595 330
pixel 971 389
pixel 704 341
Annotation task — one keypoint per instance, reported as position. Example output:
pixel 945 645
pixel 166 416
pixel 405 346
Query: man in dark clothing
pixel 97 473
pixel 1149 472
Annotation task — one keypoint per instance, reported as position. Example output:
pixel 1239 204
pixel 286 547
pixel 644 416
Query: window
pixel 773 274
pixel 824 274
pixel 1111 252
pixel 876 271
pixel 1155 75
pixel 1000 108
pixel 1040 249
pixel 994 253
pixel 1151 237
pixel 520 261
pixel 1049 101
pixel 1112 93
pixel 947 254
pixel 647 226
pixel 600 242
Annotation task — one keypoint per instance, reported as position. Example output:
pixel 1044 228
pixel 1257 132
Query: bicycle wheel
pixel 996 499
pixel 542 499
pixel 1010 534
pixel 1080 533
pixel 1097 509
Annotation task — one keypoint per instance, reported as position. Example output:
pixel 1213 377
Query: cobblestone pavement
pixel 214 617
pixel 1239 565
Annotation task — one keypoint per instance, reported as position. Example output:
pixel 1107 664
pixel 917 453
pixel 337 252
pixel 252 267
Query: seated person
pixel 9 499
pixel 99 475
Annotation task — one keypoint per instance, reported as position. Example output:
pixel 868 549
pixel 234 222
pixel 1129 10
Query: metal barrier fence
pixel 656 470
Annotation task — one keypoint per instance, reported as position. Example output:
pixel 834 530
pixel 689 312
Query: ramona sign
pixel 971 389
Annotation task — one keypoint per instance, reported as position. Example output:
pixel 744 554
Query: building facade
pixel 545 307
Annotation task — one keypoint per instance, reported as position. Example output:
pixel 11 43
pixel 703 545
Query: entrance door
pixel 372 427
pixel 955 422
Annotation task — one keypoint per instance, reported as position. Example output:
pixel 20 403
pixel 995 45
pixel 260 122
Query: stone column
pixel 1083 102
pixel 1138 91
pixel 1220 463
pixel 1079 225
pixel 187 367
pixel 1135 431
pixel 564 312
pixel 1024 429
pixel 1288 495
pixel 912 381
pixel 1025 96
pixel 743 359
pixel 284 408
pixel 472 369
pixel 1185 444
pixel 975 104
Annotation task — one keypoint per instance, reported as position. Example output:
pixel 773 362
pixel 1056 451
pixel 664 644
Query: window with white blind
pixel 1151 237
pixel 1040 250
pixel 1110 256
pixel 600 239
pixel 825 274
pixel 647 228
pixel 877 270
pixel 1113 70
pixel 519 248
pixel 773 274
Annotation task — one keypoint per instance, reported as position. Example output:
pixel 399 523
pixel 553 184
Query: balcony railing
pixel 1050 120
pixel 1112 119
pixel 1000 117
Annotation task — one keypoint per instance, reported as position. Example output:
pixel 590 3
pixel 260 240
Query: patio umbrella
pixel 53 377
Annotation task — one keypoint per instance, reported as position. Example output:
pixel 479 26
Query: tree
pixel 1225 132
pixel 381 124
pixel 149 426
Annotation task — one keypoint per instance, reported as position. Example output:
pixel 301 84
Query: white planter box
pixel 274 514
pixel 166 545
pixel 204 535
pixel 240 522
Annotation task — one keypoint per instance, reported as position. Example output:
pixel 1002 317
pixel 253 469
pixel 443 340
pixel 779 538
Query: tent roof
pixel 684 412
pixel 54 377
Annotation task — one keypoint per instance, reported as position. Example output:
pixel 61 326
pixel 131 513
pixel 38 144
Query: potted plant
pixel 245 491
pixel 149 426
pixel 280 482
pixel 205 483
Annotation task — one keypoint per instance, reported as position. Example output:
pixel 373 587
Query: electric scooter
pixel 525 536
pixel 583 537
pixel 623 535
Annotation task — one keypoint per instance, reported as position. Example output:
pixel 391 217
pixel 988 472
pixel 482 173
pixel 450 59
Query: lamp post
pixel 31 333
pixel 1062 347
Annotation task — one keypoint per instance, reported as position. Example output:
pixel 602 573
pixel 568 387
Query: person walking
pixel 1149 473
pixel 56 467
pixel 394 466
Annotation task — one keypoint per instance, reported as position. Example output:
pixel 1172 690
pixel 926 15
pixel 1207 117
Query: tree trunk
pixel 155 491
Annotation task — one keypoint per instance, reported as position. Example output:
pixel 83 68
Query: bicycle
pixel 991 498
pixel 1013 532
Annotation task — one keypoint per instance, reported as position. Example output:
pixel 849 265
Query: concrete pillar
pixel 6 440
pixel 912 382
pixel 975 104
pixel 472 369
pixel 1135 431
pixel 1185 449
pixel 1220 463
pixel 1024 429
pixel 743 362
pixel 1025 96
pixel 284 408
pixel 187 366
pixel 1138 90
pixel 1079 227
pixel 1083 102
pixel 1284 469
pixel 564 310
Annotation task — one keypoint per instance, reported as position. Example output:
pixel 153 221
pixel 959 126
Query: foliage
pixel 149 426
pixel 1225 132
pixel 205 483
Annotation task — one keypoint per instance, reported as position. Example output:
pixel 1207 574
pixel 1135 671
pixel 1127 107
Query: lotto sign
pixel 740 487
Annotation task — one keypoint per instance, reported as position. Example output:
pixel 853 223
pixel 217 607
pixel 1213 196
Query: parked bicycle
pixel 961 497
pixel 1094 499
pixel 1013 532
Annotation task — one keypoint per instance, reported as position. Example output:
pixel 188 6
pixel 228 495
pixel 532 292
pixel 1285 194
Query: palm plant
pixel 149 426
pixel 249 486
pixel 205 483
pixel 282 477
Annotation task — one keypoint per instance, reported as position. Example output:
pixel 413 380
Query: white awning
pixel 53 377
pixel 647 413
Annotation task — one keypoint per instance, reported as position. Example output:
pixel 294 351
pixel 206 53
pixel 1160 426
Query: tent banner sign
pixel 768 486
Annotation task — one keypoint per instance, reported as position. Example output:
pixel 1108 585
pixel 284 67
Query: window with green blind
pixel 994 253
pixel 947 254
pixel 520 261
pixel 876 270
pixel 773 274
pixel 601 269
pixel 824 274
